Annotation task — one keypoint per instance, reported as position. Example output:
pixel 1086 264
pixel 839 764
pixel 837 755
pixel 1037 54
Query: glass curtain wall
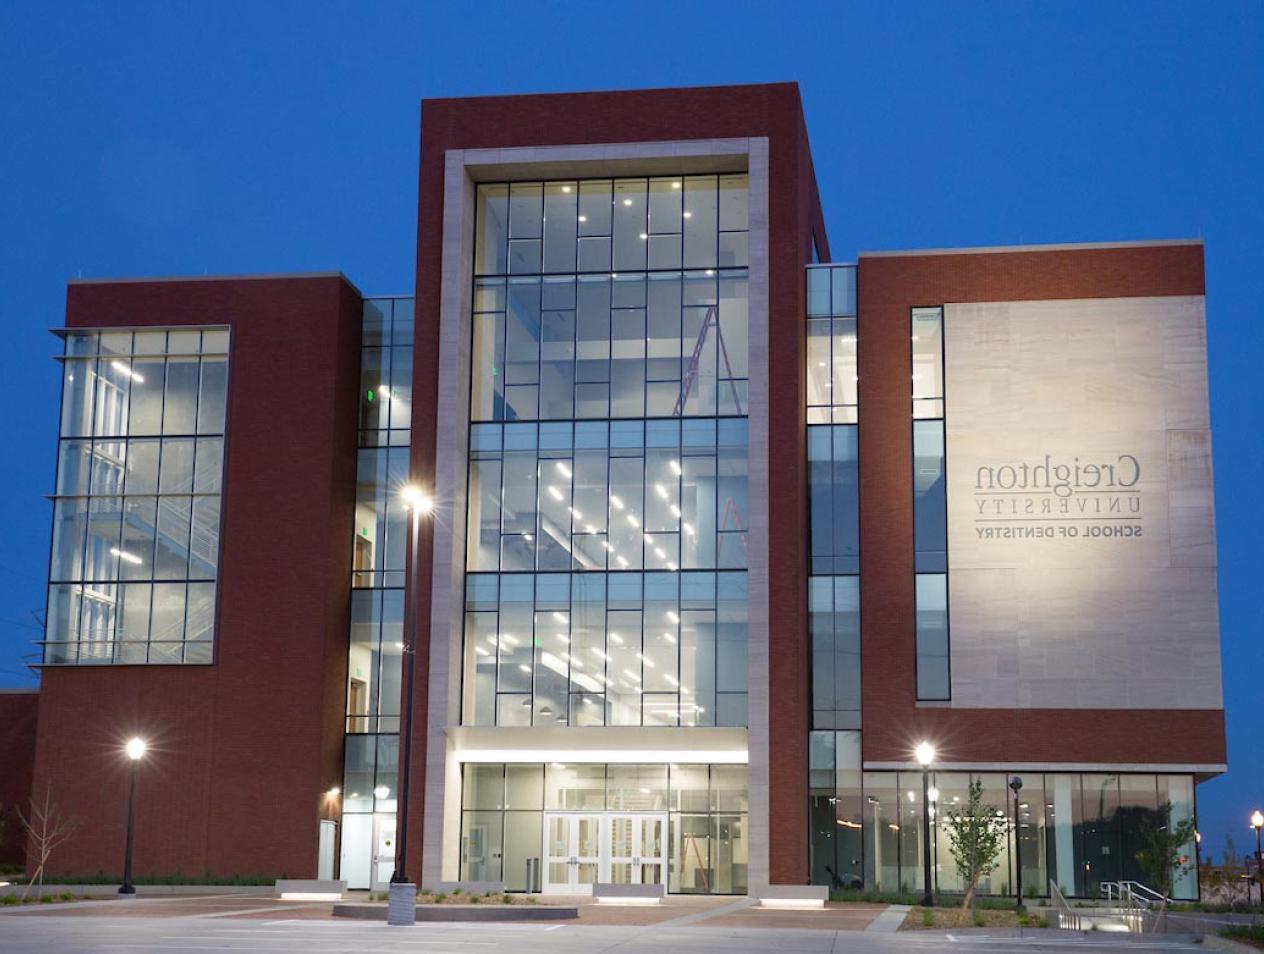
pixel 136 512
pixel 834 585
pixel 607 521
pixel 1077 829
pixel 930 509
pixel 379 552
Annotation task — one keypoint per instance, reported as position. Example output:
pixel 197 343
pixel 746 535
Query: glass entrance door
pixel 572 853
pixel 383 851
pixel 637 849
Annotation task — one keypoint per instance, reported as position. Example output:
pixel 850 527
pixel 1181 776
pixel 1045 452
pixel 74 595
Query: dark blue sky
pixel 182 139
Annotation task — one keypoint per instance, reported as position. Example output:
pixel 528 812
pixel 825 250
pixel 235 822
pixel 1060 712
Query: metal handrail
pixel 1063 916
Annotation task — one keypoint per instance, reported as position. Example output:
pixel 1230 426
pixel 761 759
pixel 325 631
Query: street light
pixel 1016 786
pixel 135 752
pixel 419 503
pixel 1257 822
pixel 925 754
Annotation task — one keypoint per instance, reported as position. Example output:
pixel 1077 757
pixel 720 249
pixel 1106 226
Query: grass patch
pixel 915 900
pixel 944 918
pixel 1252 934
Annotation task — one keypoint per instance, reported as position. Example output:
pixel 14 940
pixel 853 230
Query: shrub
pixel 66 896
pixel 9 899
pixel 46 899
pixel 979 919
pixel 928 917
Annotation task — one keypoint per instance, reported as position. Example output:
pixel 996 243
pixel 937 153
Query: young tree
pixel 1166 855
pixel 975 834
pixel 46 828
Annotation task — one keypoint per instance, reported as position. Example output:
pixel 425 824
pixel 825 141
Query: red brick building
pixel 645 505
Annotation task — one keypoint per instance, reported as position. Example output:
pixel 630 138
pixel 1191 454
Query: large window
pixel 610 298
pixel 832 371
pixel 834 620
pixel 597 495
pixel 504 808
pixel 607 521
pixel 605 649
pixel 930 508
pixel 1077 830
pixel 136 517
pixel 834 484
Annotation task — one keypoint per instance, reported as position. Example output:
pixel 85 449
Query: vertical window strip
pixel 934 676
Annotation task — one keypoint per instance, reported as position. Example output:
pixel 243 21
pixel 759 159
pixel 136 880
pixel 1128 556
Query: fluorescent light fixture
pixel 583 218
pixel 676 184
pixel 618 504
pixel 675 511
pixel 660 490
pixel 554 492
pixel 560 617
pixel 127 557
pixel 673 617
pixel 627 201
pixel 670 638
pixel 562 468
pixel 616 639
pixel 688 215
pixel 675 467
pixel 632 520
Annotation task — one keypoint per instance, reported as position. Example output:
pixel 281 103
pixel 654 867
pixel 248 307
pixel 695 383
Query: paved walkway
pixel 677 911
pixel 889 921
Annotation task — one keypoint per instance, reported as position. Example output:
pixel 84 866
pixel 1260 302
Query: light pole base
pixel 401 909
pixel 128 890
pixel 928 901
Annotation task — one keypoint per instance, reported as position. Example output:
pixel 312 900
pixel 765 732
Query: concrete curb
pixel 463 912
pixel 146 890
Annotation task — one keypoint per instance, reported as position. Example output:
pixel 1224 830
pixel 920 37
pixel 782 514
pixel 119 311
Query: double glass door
pixel 582 849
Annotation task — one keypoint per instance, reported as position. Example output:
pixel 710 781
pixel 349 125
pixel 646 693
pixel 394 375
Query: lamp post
pixel 925 753
pixel 1257 822
pixel 418 505
pixel 933 794
pixel 135 752
pixel 1016 786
